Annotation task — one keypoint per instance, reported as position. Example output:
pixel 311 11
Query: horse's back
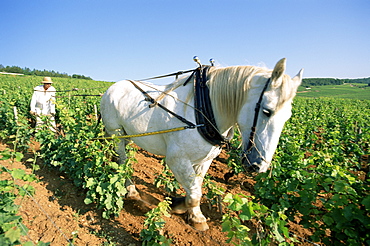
pixel 110 103
pixel 124 107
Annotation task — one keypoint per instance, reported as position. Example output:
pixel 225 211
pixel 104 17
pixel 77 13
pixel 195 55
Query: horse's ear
pixel 279 70
pixel 298 78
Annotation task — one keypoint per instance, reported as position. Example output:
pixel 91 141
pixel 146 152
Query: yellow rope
pixel 145 134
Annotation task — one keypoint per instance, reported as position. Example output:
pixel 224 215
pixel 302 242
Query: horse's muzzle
pixel 252 160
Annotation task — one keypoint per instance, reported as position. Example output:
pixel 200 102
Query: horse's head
pixel 264 114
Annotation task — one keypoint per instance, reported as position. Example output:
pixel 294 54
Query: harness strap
pixel 188 79
pixel 169 75
pixel 204 112
pixel 146 134
pixel 155 103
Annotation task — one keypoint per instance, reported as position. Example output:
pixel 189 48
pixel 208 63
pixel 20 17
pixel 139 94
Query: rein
pixel 82 95
pixel 155 103
pixel 149 133
pixel 169 75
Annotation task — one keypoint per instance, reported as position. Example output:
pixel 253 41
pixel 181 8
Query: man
pixel 42 103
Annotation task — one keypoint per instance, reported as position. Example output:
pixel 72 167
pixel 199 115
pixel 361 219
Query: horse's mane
pixel 231 84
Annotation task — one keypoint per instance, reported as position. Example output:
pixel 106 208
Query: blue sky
pixel 112 40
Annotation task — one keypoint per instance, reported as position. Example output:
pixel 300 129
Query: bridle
pixel 252 135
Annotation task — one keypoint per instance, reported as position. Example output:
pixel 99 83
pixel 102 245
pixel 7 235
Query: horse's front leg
pixel 191 178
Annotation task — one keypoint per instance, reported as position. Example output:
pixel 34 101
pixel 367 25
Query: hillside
pixel 306 82
pixel 349 91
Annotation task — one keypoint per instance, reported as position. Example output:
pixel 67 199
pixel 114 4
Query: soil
pixel 57 213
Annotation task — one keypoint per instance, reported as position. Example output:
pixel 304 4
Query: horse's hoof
pixel 132 193
pixel 133 197
pixel 178 205
pixel 200 226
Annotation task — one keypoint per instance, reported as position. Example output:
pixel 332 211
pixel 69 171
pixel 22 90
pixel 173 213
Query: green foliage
pixel 270 226
pixel 213 192
pixel 167 180
pixel 233 161
pixel 318 173
pixel 152 234
pixel 87 162
pixel 11 226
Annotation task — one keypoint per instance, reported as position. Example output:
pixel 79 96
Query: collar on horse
pixel 203 109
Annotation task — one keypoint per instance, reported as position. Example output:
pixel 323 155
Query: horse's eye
pixel 267 112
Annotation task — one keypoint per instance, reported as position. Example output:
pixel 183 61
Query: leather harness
pixel 205 121
pixel 203 109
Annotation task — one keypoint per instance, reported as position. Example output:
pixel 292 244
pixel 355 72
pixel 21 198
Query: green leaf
pixel 18 173
pixel 18 156
pixel 228 198
pixel 42 244
pixel 339 186
pixel 88 200
pixel 366 202
pixel 247 212
pixel 13 234
pixel 90 182
pixel 5 156
pixel 328 220
pixel 226 226
pixel 348 212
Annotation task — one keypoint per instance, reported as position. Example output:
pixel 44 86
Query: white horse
pixel 234 93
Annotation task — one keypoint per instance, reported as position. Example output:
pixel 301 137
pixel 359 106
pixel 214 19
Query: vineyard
pixel 316 193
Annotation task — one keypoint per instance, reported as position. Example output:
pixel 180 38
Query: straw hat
pixel 47 80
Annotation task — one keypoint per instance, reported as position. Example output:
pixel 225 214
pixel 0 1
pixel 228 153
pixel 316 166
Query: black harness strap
pixel 204 113
pixel 155 103
pixel 191 76
pixel 169 75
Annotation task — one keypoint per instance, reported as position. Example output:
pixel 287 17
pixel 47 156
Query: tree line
pixel 332 81
pixel 36 72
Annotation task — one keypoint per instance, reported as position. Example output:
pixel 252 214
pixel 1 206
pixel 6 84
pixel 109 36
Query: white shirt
pixel 42 101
